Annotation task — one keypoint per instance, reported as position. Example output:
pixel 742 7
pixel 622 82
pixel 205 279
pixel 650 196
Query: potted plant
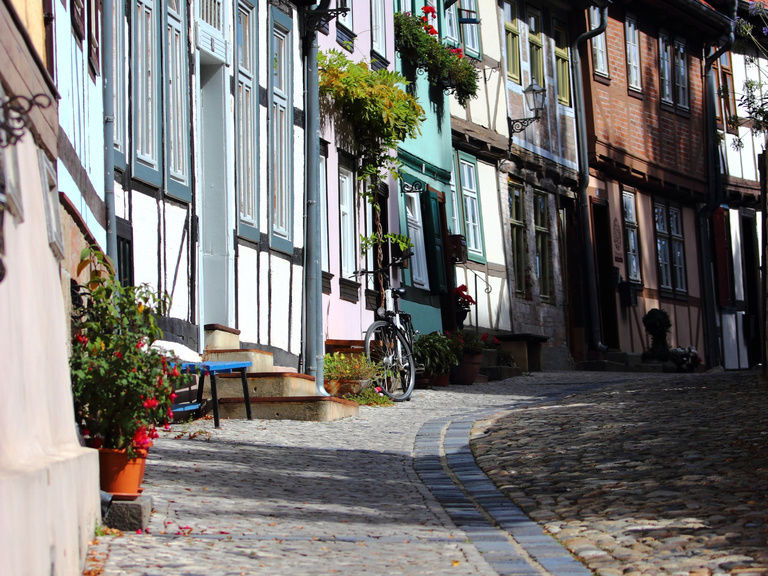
pixel 417 41
pixel 348 373
pixel 122 388
pixel 435 352
pixel 471 347
pixel 464 304
pixel 657 324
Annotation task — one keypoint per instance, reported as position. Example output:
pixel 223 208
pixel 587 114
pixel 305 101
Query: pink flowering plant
pixel 122 388
pixel 417 40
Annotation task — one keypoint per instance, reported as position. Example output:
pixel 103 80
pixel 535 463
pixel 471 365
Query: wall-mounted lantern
pixel 534 99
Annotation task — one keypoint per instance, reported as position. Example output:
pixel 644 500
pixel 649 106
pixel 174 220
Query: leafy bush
pixel 435 352
pixel 467 342
pixel 340 366
pixel 370 396
pixel 447 68
pixel 122 389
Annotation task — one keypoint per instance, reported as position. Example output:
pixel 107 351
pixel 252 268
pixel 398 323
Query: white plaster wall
pixel 176 280
pixel 145 226
pixel 487 178
pixel 493 308
pixel 248 294
pixel 280 304
pixel 49 491
pixel 297 290
pixel 263 306
pixel 738 264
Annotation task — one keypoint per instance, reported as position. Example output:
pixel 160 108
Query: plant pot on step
pixel 342 387
pixel 466 372
pixel 119 475
pixel 440 380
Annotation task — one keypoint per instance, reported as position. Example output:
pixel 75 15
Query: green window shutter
pixel 433 240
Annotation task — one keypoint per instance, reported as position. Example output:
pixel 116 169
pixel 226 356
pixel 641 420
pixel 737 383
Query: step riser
pixel 320 410
pixel 260 361
pixel 219 339
pixel 265 387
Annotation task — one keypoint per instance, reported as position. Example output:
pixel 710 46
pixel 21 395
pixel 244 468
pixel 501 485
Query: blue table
pixel 211 369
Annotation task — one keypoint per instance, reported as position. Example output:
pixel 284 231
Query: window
pixel 665 69
pixel 419 273
pixel 451 32
pixel 281 131
pixel 631 237
pixel 323 193
pixel 726 108
pixel 673 71
pixel 146 98
pixel 345 19
pixel 681 75
pixel 633 53
pixel 77 14
pixel 599 52
pixel 347 222
pixel 119 81
pixel 535 47
pixel 175 99
pixel 94 35
pixel 247 174
pixel 454 214
pixel 562 66
pixel 670 247
pixel 51 202
pixel 512 40
pixel 517 231
pixel 543 246
pixel 378 27
pixel 469 31
pixel 471 206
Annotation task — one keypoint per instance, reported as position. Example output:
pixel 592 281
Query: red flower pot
pixel 119 475
pixel 467 370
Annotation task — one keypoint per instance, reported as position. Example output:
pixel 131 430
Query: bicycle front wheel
pixel 388 346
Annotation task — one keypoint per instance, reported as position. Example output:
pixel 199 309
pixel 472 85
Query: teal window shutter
pixel 433 239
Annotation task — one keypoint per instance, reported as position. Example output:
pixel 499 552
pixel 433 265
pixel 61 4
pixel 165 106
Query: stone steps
pixel 275 392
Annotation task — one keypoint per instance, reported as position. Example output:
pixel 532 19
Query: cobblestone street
pixel 397 491
pixel 662 477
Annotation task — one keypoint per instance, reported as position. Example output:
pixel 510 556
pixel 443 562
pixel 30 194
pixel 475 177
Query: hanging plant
pixel 416 39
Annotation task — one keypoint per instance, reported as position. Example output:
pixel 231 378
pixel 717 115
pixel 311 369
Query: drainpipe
pixel 109 129
pixel 583 153
pixel 704 214
pixel 313 285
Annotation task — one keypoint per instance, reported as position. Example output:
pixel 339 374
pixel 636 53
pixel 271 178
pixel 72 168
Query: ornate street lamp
pixel 534 99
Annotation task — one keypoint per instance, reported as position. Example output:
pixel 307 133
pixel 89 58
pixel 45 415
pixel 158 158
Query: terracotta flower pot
pixel 467 370
pixel 344 387
pixel 440 380
pixel 120 476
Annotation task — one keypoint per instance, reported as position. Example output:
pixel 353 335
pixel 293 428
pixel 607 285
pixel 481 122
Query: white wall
pixel 49 485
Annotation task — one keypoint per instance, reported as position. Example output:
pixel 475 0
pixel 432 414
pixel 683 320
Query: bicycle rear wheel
pixel 388 346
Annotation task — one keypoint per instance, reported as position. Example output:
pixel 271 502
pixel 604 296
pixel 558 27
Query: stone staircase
pixel 276 392
pixel 492 369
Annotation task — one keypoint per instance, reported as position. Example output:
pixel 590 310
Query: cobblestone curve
pixel 667 476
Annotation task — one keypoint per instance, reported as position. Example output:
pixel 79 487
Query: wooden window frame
pixel 93 8
pixel 474 253
pixel 632 53
pixel 281 156
pixel 175 97
pixel 665 236
pixel 517 226
pixel 347 224
pixel 543 233
pixel 726 95
pixel 247 119
pixel 512 40
pixel 536 47
pixel 562 64
pixel 475 52
pixel 631 230
pixel 599 45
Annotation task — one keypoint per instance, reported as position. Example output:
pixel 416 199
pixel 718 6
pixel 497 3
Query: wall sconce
pixel 534 98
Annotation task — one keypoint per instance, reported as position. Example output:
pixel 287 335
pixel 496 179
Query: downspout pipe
pixel 107 66
pixel 313 286
pixel 714 195
pixel 583 162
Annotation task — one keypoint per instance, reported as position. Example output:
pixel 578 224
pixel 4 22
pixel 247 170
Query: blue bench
pixel 211 369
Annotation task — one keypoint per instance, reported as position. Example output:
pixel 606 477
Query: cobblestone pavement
pixel 668 476
pixel 284 497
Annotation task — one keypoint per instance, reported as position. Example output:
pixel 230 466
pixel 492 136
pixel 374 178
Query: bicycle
pixel 389 339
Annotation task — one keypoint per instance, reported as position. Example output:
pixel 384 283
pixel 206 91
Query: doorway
pixel 217 273
pixel 607 277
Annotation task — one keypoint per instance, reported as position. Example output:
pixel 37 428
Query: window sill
pixel 378 62
pixel 327 277
pixel 635 93
pixel 349 290
pixel 601 78
pixel 345 37
pixel 371 299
